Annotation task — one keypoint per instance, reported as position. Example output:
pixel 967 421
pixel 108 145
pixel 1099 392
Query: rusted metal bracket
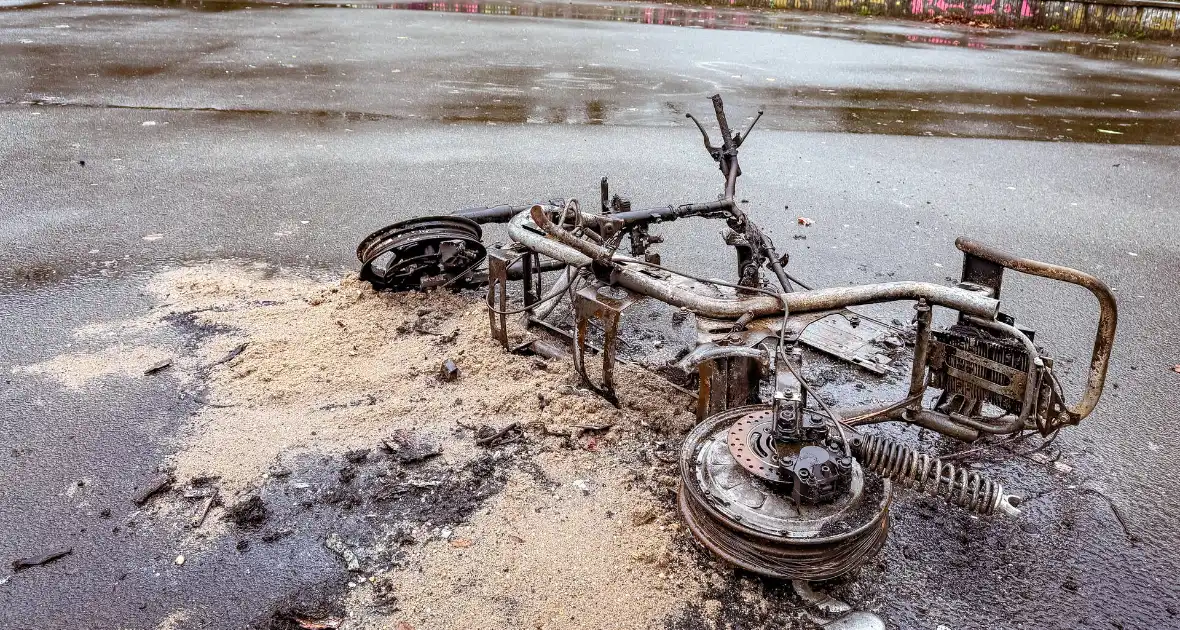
pixel 725 383
pixel 606 304
pixel 984 265
pixel 728 375
pixel 531 268
pixel 498 261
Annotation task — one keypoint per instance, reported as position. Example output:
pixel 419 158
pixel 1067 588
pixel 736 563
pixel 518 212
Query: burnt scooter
pixel 774 479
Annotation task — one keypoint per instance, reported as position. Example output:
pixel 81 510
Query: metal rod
pixel 921 347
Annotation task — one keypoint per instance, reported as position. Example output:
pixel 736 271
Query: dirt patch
pixel 335 367
pixel 503 497
pixel 580 545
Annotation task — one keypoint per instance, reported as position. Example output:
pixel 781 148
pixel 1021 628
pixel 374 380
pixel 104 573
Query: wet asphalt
pixel 285 134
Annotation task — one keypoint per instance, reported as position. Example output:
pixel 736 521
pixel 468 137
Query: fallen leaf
pixel 520 541
pixel 461 543
pixel 805 222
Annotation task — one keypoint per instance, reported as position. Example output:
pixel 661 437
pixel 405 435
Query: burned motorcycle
pixel 774 479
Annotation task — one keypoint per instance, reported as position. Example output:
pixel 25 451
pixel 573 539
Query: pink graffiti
pixel 973 7
pixel 945 41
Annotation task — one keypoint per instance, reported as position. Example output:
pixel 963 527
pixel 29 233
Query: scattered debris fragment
pixel 461 543
pixel 336 545
pixel 179 560
pixel 232 354
pixel 858 619
pixel 20 564
pixel 315 607
pixel 203 509
pixel 155 484
pixel 327 623
pixel 489 437
pixel 1114 508
pixel 601 426
pixel 548 350
pixel 199 481
pixel 199 493
pixel 276 534
pixel 805 222
pixel 249 512
pixel 449 371
pixel 157 366
pixel 410 447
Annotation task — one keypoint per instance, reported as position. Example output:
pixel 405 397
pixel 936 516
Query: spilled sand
pixel 286 366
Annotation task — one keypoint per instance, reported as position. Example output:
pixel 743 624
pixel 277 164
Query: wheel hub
pixel 420 253
pixel 732 504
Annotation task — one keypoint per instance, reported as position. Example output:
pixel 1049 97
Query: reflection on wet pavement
pixel 855 28
pixel 1059 88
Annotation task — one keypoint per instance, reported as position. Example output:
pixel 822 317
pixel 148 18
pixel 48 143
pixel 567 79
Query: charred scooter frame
pixel 787 487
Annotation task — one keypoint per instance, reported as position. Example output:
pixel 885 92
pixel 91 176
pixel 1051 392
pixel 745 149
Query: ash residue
pixel 439 496
pixel 735 599
pixel 379 502
pixel 195 329
pixel 249 512
pixel 318 606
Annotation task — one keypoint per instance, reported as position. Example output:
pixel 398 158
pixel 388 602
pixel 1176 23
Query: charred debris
pixel 774 478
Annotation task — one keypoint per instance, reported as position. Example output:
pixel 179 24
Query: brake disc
pixel 751 522
pixel 420 253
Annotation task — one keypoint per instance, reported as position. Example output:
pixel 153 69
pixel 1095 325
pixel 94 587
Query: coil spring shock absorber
pixel 904 465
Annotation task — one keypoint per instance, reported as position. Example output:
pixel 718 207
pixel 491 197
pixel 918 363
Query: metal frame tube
pixel 579 253
pixel 921 348
pixel 1107 312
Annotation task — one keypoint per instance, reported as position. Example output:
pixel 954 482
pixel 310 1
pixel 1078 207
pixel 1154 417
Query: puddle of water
pixel 858 28
pixel 1133 98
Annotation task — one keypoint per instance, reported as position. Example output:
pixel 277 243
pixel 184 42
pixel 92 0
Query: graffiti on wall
pixel 1073 15
pixel 1014 8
